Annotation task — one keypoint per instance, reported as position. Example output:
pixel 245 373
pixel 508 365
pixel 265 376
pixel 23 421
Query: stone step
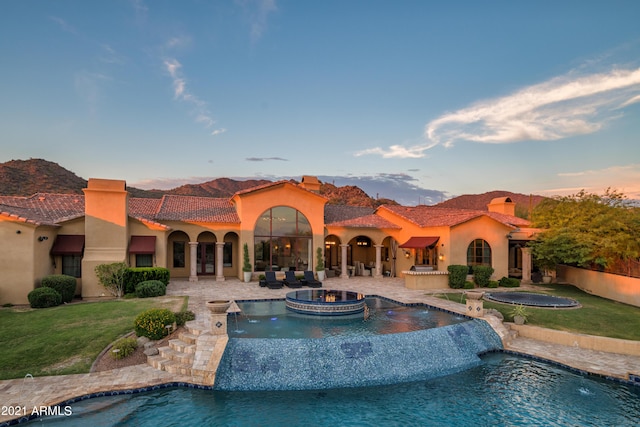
pixel 194 327
pixel 176 356
pixel 177 368
pixel 182 347
pixel 188 338
pixel 157 362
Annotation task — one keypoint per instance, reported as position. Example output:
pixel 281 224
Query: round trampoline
pixel 531 299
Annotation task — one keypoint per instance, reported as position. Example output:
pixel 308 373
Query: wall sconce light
pixel 441 257
pixel 407 254
pixel 18 231
pixel 42 238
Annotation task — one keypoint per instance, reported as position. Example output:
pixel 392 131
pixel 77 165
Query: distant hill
pixel 524 202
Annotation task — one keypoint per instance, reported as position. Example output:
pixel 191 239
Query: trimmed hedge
pixel 482 275
pixel 64 284
pixel 457 276
pixel 44 297
pixel 135 275
pixel 152 323
pixel 150 288
pixel 126 346
pixel 509 282
pixel 183 317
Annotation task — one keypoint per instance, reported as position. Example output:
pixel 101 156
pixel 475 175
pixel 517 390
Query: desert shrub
pixel 135 275
pixel 457 276
pixel 493 284
pixel 44 297
pixel 469 285
pixel 152 323
pixel 183 317
pixel 150 288
pixel 111 276
pixel 482 275
pixel 126 346
pixel 509 282
pixel 64 284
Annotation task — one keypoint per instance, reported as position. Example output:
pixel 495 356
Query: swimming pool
pixel 504 390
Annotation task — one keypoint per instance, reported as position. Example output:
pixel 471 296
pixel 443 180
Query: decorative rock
pixel 142 341
pixel 152 351
pixel 149 344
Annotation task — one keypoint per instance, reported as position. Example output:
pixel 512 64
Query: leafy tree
pixel 586 229
pixel 112 276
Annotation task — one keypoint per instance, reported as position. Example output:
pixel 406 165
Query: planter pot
pixel 247 276
pixel 518 320
pixel 474 294
pixel 546 279
pixel 218 306
pixel 320 275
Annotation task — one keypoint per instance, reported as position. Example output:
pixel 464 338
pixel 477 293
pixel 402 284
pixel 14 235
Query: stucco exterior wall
pixel 16 263
pixel 612 286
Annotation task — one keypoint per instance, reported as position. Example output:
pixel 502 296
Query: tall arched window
pixel 282 240
pixel 479 253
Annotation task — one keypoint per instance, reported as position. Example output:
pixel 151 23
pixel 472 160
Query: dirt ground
pixel 106 362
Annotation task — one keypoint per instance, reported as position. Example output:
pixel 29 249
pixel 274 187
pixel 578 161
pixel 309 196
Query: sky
pixel 417 101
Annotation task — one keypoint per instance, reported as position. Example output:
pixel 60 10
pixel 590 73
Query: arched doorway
pixel 206 254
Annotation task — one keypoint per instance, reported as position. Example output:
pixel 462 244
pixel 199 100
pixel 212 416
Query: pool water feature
pixel 532 299
pixel 274 349
pixel 325 302
pixel 503 390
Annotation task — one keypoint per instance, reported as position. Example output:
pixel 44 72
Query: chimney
pixel 503 205
pixel 310 183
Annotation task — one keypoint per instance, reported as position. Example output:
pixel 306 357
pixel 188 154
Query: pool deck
pixel 53 390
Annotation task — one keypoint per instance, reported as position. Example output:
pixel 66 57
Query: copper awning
pixel 142 245
pixel 420 242
pixel 67 244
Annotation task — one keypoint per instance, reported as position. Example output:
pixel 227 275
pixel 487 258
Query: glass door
pixel 206 258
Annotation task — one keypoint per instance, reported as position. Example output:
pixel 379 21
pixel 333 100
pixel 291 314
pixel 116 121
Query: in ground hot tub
pixel 325 302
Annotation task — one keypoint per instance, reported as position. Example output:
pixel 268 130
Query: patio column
pixel 219 262
pixel 343 257
pixel 378 270
pixel 526 265
pixel 193 259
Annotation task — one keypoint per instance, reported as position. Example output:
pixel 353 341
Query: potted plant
pixel 519 314
pixel 320 264
pixel 246 264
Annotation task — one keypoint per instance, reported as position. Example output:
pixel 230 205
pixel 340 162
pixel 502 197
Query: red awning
pixel 142 245
pixel 67 244
pixel 420 242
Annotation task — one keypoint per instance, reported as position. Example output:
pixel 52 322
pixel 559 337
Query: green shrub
pixel 150 288
pixel 135 275
pixel 457 275
pixel 469 285
pixel 493 284
pixel 482 275
pixel 509 282
pixel 126 346
pixel 65 285
pixel 152 323
pixel 44 297
pixel 183 317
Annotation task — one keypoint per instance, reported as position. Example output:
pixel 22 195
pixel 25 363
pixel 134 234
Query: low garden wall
pixel 426 279
pixel 612 286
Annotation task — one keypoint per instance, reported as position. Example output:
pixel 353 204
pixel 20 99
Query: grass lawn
pixel 68 338
pixel 597 316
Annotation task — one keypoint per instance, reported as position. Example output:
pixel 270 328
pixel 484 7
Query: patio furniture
pixel 272 282
pixel 310 280
pixel 290 280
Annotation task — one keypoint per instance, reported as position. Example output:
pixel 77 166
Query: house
pixel 281 222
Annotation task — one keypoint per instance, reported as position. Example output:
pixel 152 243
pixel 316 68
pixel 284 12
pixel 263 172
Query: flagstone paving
pixel 46 391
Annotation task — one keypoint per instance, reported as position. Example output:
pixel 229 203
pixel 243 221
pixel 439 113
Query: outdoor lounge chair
pixel 310 280
pixel 272 282
pixel 290 280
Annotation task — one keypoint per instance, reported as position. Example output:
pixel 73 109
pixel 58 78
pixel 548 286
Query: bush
pixel 150 288
pixel 111 276
pixel 65 285
pixel 509 282
pixel 457 276
pixel 126 346
pixel 135 275
pixel 183 317
pixel 482 275
pixel 151 323
pixel 44 297
pixel 469 285
pixel 493 284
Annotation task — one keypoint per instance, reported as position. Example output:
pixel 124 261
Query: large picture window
pixel 479 253
pixel 178 254
pixel 283 240
pixel 71 265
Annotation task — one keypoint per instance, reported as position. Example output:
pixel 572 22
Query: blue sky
pixel 418 101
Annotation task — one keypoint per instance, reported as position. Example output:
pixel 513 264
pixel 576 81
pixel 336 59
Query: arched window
pixel 282 240
pixel 479 253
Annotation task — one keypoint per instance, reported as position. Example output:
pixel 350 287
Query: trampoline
pixel 531 299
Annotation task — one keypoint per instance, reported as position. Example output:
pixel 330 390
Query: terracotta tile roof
pixel 432 216
pixel 197 209
pixel 43 208
pixel 354 216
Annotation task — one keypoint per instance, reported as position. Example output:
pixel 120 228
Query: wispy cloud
pixel 64 25
pixel 562 107
pixel 181 93
pixel 625 178
pixel 257 13
pixel 264 159
pixel 89 86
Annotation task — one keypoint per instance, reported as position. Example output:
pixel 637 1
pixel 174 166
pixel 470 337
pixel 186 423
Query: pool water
pixel 504 390
pixel 271 319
